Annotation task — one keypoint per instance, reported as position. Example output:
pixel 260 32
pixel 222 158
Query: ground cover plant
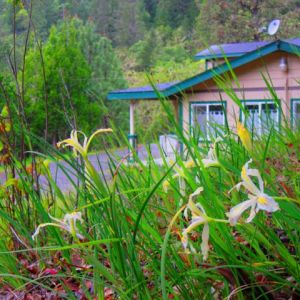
pixel 220 221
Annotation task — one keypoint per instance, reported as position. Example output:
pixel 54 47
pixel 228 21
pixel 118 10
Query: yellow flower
pixel 244 136
pixel 258 200
pixel 199 217
pixel 68 223
pixel 83 149
pixel 166 185
pixel 189 164
pixel 77 147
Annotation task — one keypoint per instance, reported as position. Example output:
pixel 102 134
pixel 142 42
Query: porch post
pixel 177 103
pixel 132 136
pixel 131 113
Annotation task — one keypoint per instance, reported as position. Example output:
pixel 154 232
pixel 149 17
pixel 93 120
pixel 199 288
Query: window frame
pixel 292 110
pixel 260 102
pixel 207 104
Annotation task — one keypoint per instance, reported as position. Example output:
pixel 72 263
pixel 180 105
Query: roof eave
pixel 133 95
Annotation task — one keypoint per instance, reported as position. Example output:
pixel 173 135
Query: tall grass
pixel 132 229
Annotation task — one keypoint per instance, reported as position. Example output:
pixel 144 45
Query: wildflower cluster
pixel 210 160
pixel 257 198
pixel 68 223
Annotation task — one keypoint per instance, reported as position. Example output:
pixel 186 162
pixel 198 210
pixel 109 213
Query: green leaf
pixel 4 112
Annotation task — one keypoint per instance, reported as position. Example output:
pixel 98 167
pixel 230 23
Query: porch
pixel 169 144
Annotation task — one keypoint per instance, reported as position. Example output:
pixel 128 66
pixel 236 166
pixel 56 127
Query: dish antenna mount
pixel 273 27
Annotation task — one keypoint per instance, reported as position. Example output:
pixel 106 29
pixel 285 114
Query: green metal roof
pixel 170 89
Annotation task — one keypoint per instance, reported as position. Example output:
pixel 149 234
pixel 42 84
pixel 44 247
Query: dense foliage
pixel 220 221
pixel 79 68
pixel 157 37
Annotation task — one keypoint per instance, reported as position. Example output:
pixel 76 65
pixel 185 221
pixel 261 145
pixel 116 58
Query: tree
pixel 105 15
pixel 147 13
pixel 145 51
pixel 80 68
pixel 233 21
pixel 65 84
pixel 130 26
pixel 175 13
pixel 106 75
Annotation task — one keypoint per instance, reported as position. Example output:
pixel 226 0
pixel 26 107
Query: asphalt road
pixel 64 174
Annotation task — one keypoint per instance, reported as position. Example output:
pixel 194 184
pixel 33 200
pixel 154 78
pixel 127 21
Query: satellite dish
pixel 273 27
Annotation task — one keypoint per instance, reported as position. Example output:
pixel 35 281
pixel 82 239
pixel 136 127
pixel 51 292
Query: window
pixel 207 118
pixel 262 116
pixel 296 113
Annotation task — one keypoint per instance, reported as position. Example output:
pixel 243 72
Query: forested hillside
pixel 59 58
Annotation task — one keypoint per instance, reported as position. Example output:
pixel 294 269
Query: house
pixel 247 68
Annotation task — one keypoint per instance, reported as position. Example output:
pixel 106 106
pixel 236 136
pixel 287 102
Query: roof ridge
pixel 246 42
pixel 235 49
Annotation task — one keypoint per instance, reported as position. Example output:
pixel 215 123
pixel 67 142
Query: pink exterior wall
pixel 252 86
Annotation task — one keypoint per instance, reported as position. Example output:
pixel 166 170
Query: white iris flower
pixel 199 217
pixel 210 160
pixel 68 223
pixel 83 148
pixel 257 201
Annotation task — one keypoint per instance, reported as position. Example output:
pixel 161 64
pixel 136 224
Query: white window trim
pixel 294 103
pixel 195 104
pixel 259 103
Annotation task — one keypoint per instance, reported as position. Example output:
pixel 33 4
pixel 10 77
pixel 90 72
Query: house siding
pixel 251 86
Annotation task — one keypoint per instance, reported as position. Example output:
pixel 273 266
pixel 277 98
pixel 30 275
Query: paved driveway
pixel 99 161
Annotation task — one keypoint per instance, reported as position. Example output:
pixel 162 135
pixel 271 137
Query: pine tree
pixel 105 15
pixel 106 76
pixel 175 13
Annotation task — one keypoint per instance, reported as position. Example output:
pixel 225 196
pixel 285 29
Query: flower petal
pixel 247 182
pixel 37 231
pixel 211 154
pixel 184 239
pixel 195 222
pixel 88 142
pixel 196 193
pixel 190 164
pixel 255 173
pixel 244 136
pixel 73 216
pixel 267 203
pixel 166 185
pixel 204 244
pixel 252 212
pixel 181 186
pixel 56 220
pixel 237 187
pixel 68 228
pixel 71 143
pixel 196 209
pixel 235 212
